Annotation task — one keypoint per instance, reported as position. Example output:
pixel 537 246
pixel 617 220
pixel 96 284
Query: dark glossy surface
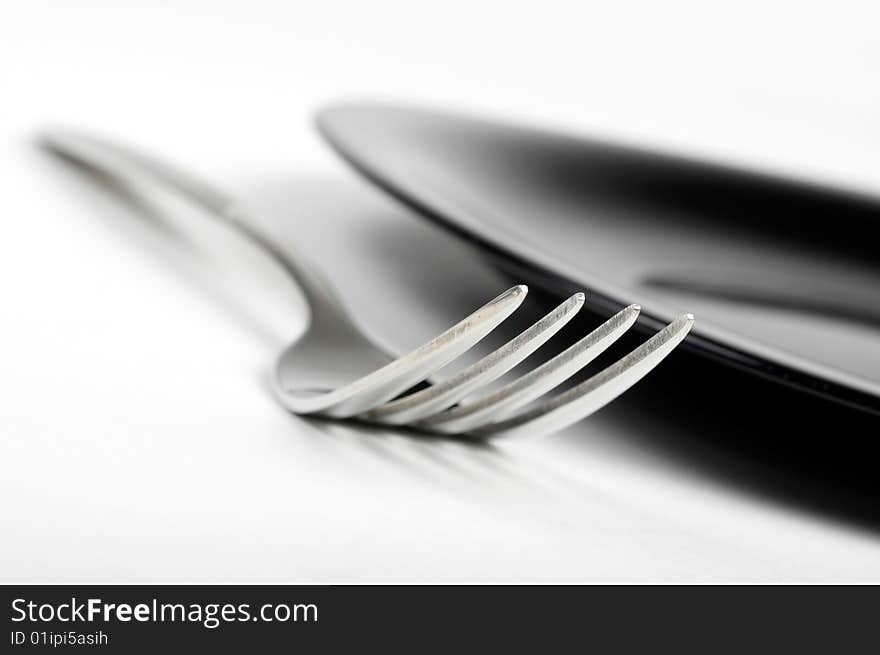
pixel 784 277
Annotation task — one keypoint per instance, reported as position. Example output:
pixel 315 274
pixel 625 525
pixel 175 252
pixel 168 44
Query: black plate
pixel 783 276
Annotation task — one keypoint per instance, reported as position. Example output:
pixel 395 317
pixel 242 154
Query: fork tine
pixel 436 398
pixel 594 393
pixel 385 383
pixel 537 382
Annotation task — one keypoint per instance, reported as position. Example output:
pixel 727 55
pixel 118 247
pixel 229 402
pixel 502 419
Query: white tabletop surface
pixel 138 440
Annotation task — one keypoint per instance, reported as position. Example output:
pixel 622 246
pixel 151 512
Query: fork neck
pixel 328 313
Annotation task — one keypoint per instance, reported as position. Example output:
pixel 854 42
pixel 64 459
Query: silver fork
pixel 334 370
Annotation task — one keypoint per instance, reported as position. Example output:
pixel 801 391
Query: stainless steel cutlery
pixel 334 370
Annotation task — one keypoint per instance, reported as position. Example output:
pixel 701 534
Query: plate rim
pixel 738 351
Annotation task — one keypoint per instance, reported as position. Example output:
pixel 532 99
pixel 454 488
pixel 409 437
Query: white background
pixel 138 441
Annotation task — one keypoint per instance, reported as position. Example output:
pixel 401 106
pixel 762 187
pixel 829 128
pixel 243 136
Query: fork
pixel 334 370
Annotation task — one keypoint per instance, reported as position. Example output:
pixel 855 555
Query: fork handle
pixel 127 164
